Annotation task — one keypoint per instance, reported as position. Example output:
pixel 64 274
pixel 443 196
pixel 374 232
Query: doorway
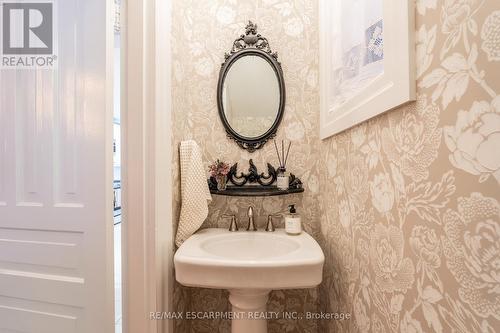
pixel 117 170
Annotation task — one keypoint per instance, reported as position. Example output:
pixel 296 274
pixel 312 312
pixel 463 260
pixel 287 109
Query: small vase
pixel 221 183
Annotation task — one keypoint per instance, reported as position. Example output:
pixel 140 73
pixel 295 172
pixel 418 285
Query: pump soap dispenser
pixel 293 225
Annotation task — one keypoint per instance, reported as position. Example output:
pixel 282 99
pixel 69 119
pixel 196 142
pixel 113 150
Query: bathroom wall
pixel 409 200
pixel 405 206
pixel 203 31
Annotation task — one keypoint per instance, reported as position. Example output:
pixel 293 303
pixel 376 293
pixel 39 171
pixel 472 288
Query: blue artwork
pixel 358 48
pixel 374 43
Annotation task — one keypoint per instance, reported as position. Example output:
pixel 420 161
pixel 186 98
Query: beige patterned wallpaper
pixel 203 31
pixel 405 206
pixel 409 200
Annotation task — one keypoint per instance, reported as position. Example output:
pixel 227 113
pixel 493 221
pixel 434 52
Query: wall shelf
pixel 255 191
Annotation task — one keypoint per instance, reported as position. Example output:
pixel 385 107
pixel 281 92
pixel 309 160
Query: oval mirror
pixel 251 91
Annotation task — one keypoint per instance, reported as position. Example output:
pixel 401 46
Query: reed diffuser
pixel 283 179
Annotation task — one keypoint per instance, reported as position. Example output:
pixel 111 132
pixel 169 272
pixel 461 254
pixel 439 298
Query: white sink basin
pixel 217 258
pixel 248 246
pixel 249 265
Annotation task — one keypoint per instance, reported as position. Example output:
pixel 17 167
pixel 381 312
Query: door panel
pixel 56 214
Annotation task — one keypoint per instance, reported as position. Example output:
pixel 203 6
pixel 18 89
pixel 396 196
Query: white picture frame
pixel 393 87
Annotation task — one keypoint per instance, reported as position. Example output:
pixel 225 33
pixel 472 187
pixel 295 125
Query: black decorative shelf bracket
pixel 254 191
pixel 241 183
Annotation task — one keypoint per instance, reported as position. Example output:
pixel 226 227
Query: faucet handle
pixel 270 225
pixel 233 226
pixel 251 223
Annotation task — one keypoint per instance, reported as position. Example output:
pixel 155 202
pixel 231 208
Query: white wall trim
pixel 146 126
pixel 163 163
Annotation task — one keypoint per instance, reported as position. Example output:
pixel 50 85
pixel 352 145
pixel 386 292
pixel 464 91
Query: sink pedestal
pixel 249 307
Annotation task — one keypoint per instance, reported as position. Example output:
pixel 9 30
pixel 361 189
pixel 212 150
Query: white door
pixel 56 267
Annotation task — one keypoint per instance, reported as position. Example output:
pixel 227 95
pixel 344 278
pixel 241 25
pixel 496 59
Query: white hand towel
pixel 195 194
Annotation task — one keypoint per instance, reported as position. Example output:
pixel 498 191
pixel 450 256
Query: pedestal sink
pixel 249 265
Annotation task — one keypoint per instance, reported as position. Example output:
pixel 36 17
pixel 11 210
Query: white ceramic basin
pixel 249 264
pixel 217 258
pixel 248 246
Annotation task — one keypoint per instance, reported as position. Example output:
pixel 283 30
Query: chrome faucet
pixel 251 224
pixel 233 226
pixel 270 225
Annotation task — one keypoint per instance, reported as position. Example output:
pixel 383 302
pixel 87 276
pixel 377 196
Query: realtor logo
pixel 27 34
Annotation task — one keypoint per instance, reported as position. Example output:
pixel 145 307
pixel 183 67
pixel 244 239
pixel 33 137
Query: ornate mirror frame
pixel 251 43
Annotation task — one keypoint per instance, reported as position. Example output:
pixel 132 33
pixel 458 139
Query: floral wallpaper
pixel 405 206
pixel 409 200
pixel 203 31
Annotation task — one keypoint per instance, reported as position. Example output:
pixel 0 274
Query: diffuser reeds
pixel 282 159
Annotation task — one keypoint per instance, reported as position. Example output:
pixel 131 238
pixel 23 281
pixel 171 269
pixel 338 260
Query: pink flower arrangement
pixel 218 168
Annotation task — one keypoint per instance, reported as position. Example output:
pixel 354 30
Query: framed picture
pixel 367 63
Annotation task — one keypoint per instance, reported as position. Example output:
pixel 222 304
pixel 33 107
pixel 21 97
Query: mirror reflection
pixel 251 96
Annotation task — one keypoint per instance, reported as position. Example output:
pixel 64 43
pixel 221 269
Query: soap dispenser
pixel 293 225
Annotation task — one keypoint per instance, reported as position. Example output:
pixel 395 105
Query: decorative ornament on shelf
pixel 253 176
pixel 283 179
pixel 219 171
